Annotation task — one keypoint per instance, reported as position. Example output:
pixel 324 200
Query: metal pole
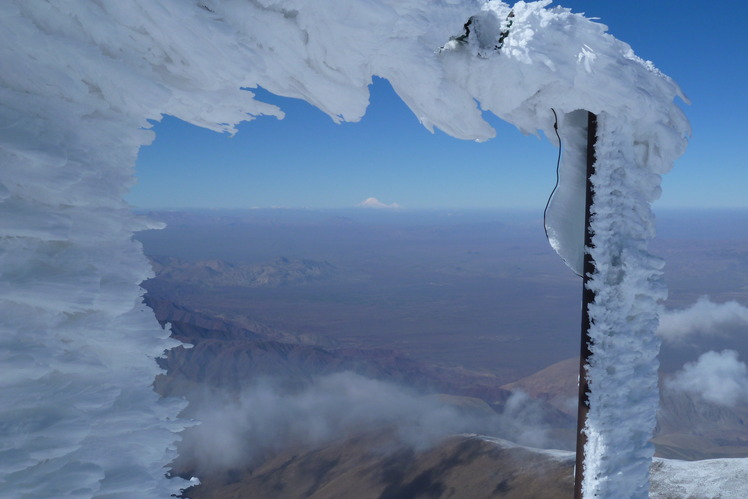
pixel 588 296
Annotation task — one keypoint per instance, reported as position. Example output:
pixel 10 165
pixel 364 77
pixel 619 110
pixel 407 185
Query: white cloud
pixel 717 377
pixel 375 203
pixel 704 318
pixel 264 418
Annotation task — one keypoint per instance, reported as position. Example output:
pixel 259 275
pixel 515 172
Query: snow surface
pixel 670 478
pixel 79 81
pixel 377 204
pixel 707 479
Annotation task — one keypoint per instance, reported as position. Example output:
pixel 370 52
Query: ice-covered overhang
pixel 137 61
pixel 79 82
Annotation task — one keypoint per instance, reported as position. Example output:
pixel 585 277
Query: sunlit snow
pixel 671 479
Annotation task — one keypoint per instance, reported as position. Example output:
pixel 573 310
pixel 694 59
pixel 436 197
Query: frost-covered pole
pixel 521 62
pixel 627 283
pixel 588 297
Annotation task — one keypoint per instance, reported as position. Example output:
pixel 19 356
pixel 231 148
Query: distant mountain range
pixel 227 355
pixel 213 273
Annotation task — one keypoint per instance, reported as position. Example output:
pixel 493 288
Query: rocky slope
pixel 460 467
pixel 228 355
pixel 368 467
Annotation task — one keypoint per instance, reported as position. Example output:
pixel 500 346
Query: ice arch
pixel 78 82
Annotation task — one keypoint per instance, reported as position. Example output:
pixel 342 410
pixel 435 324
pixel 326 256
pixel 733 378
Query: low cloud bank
pixel 264 419
pixel 717 377
pixel 704 318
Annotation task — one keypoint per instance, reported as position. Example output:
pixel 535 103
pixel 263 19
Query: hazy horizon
pixel 494 265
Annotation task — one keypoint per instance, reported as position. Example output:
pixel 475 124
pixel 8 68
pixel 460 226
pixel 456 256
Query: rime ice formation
pixel 622 370
pixel 79 82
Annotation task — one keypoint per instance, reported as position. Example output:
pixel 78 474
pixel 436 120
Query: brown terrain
pixel 460 467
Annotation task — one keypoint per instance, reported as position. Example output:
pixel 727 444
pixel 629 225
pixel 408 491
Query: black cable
pixel 558 166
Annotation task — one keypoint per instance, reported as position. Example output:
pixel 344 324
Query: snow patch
pixel 377 204
pixel 708 479
pixel 672 478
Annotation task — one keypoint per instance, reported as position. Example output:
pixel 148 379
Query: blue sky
pixel 307 161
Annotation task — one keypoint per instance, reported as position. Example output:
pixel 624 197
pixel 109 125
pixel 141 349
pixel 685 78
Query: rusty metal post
pixel 588 296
